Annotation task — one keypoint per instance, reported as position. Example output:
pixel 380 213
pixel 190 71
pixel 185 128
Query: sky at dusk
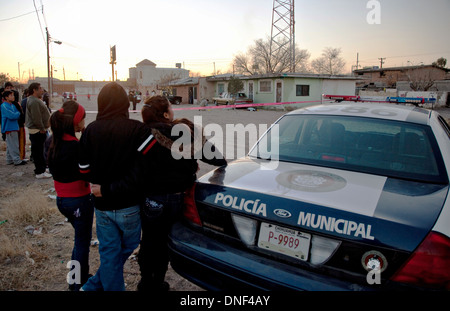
pixel 202 34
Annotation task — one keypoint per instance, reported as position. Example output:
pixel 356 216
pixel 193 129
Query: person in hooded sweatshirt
pixel 108 150
pixel 161 177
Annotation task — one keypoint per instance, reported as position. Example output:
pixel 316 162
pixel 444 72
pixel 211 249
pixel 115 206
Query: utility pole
pixel 357 61
pixel 382 61
pixel 48 66
pixel 49 69
pixel 113 59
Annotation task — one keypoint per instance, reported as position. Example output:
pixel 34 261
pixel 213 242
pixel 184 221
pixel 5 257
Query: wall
pixel 317 87
pixel 338 87
pixel 151 76
pixel 390 77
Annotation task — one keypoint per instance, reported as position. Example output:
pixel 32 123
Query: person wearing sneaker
pixel 10 127
pixel 37 121
pixel 108 150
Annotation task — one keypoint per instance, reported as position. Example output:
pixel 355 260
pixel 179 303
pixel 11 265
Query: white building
pixel 148 76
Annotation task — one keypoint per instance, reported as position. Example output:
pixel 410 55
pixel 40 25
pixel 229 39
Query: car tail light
pixel 429 264
pixel 190 208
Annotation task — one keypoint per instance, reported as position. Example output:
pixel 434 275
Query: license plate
pixel 284 241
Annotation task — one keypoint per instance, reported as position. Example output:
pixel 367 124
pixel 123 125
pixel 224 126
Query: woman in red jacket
pixel 74 198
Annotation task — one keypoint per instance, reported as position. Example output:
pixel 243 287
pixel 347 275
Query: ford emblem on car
pixel 282 213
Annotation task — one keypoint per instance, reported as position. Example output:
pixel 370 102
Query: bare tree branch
pixel 258 59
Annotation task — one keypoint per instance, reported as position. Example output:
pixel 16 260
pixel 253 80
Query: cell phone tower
pixel 283 30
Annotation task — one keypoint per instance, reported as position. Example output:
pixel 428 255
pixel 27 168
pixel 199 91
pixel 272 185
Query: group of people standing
pixel 32 113
pixel 123 171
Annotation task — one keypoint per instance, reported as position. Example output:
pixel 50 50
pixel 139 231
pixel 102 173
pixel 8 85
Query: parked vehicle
pixel 69 96
pixel 174 100
pixel 231 99
pixel 346 197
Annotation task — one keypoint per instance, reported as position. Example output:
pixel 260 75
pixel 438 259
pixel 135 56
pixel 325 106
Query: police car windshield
pixel 377 146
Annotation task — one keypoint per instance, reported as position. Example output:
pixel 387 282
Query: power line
pixel 413 55
pixel 43 15
pixel 10 18
pixel 37 13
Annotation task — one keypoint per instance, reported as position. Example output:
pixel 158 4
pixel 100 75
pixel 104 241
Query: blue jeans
pixel 80 213
pixel 119 234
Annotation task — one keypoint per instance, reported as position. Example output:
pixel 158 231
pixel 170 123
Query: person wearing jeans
pixel 80 214
pixel 74 198
pixel 108 151
pixel 114 252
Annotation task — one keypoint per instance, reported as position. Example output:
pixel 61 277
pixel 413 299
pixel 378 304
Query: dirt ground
pixel 36 241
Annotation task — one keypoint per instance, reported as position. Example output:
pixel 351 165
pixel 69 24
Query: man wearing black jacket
pixel 108 150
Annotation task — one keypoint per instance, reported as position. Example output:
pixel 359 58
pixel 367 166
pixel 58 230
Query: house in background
pixel 191 89
pixel 427 81
pixel 146 76
pixel 306 89
pixel 379 78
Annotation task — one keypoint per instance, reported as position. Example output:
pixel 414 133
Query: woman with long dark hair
pixel 74 198
pixel 164 194
pixel 161 177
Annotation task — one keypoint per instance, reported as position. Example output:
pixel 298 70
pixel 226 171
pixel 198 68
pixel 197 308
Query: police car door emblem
pixel 282 213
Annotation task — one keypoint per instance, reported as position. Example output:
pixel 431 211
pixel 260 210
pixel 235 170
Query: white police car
pixel 343 197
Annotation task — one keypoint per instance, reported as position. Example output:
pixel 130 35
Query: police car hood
pixel 352 205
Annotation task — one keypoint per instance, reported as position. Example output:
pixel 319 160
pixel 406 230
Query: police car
pixel 348 196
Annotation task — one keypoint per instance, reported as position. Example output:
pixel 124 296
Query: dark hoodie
pixel 157 172
pixel 108 146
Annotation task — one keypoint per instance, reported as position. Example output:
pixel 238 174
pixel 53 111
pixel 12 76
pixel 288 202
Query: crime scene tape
pixel 233 106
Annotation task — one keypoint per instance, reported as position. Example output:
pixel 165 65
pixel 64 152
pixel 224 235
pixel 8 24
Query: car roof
pixel 397 112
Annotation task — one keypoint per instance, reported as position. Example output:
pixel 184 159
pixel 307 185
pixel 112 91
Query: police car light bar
pixel 403 100
pixel 343 97
pixel 411 100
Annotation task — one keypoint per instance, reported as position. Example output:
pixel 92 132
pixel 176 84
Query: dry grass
pixel 27 260
pixel 37 262
pixel 25 206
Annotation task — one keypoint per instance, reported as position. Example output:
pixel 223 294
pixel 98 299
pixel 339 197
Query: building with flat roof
pixel 147 76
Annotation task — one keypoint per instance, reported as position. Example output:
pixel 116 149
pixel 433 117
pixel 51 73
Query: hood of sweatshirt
pixel 112 102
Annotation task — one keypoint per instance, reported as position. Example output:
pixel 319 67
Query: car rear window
pixel 383 147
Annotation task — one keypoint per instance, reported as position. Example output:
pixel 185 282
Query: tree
pixel 258 59
pixel 441 62
pixel 4 78
pixel 235 85
pixel 330 62
pixel 421 80
pixel 165 81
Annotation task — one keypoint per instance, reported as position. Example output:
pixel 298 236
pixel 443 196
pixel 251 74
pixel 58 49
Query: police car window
pixel 385 147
